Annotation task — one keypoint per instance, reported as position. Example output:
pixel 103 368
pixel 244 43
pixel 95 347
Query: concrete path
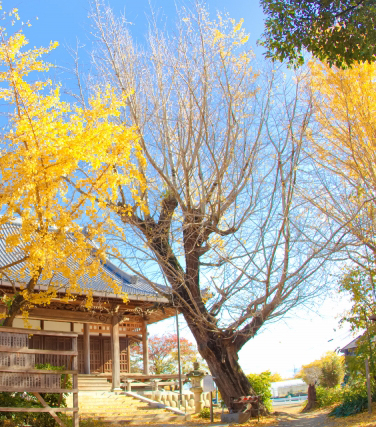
pixel 316 419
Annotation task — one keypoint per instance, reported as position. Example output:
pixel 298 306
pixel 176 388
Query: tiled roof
pixel 132 285
pixel 353 344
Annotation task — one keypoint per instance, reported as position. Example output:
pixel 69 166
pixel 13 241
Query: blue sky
pixel 67 21
pixel 307 334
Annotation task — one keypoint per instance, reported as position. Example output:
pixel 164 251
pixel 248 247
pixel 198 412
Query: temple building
pixel 106 330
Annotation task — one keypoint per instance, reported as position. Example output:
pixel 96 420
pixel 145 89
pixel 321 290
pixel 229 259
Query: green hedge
pixel 261 385
pixel 354 400
pixel 328 396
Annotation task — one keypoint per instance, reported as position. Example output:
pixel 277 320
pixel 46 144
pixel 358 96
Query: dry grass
pixel 360 420
pixel 287 414
pixel 196 420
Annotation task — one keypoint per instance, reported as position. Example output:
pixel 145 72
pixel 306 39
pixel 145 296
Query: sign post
pixel 209 386
pixel 368 388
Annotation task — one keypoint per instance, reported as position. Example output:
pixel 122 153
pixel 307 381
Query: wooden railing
pixel 130 381
pixel 18 372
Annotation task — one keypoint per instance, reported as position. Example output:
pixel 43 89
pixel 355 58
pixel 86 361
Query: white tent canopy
pixel 283 388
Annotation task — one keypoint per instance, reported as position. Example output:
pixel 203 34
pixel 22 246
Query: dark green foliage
pixel 28 400
pixel 261 385
pixel 354 400
pixel 360 283
pixel 339 32
pixel 328 396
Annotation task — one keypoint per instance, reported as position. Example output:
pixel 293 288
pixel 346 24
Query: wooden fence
pixel 18 372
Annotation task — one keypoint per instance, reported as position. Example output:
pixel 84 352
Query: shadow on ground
pixel 315 419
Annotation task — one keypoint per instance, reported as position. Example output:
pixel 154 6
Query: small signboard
pixel 208 384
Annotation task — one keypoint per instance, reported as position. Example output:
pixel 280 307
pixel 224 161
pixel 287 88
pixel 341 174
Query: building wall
pixel 50 325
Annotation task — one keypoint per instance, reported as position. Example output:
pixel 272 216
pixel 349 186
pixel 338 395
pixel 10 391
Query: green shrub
pixel 328 396
pixel 354 400
pixel 205 413
pixel 261 385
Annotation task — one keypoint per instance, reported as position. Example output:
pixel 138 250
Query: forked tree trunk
pixel 214 344
pixel 222 361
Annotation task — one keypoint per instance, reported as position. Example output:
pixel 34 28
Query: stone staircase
pixel 119 410
pixel 93 383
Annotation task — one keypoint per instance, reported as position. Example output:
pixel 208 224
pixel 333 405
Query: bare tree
pixel 221 218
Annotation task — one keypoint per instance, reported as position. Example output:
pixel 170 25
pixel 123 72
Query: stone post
pixel 128 383
pixel 196 376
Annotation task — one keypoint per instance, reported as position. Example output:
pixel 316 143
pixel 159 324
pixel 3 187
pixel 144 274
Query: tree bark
pixel 222 360
pixel 14 310
pixel 217 346
pixel 19 301
pixel 312 399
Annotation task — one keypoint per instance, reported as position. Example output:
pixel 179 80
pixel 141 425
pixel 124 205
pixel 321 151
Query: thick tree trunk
pixel 312 399
pixel 222 360
pixel 216 345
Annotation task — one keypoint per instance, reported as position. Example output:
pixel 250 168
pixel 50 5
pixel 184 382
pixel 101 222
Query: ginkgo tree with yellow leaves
pixel 48 145
pixel 343 141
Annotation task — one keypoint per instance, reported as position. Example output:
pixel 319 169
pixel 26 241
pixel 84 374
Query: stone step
pixel 90 408
pixel 84 388
pixel 121 410
pixel 92 384
pixel 139 419
pixel 105 400
pixel 91 378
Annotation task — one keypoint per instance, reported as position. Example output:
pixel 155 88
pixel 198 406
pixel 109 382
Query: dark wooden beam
pixel 68 316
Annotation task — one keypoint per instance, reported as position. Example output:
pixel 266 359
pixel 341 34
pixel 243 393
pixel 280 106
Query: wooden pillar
pixel 86 348
pixel 128 357
pixel 115 349
pixel 75 382
pixel 145 347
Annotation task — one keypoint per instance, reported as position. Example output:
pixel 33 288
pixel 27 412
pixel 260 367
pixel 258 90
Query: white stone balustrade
pixel 172 399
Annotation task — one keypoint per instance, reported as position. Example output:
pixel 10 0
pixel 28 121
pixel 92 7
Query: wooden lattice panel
pixel 128 328
pixel 100 329
pixel 14 340
pixel 18 371
pixel 53 359
pixel 17 360
pixel 135 327
pixel 29 380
